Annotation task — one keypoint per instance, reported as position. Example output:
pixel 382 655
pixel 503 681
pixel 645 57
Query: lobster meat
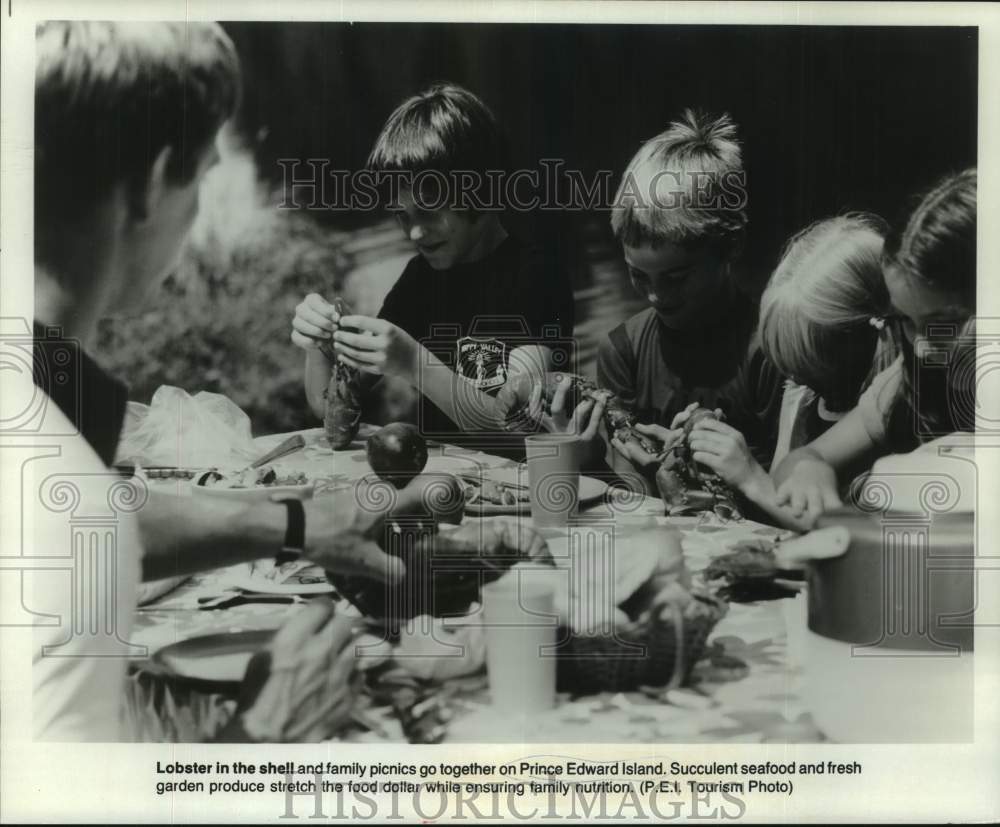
pixel 342 414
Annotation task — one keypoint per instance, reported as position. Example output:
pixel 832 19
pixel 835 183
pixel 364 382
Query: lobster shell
pixel 342 415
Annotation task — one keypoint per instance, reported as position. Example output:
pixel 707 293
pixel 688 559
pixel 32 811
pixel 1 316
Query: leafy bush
pixel 222 322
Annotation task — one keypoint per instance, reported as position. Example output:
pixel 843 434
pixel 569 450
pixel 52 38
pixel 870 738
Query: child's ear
pixel 148 192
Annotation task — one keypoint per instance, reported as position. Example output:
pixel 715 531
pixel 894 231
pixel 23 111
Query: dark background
pixel 831 118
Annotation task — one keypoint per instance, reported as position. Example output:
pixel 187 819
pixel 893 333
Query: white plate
pixel 220 658
pixel 591 489
pixel 452 465
pixel 256 493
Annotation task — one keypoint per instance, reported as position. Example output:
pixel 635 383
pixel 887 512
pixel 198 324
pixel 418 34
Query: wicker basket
pixel 658 647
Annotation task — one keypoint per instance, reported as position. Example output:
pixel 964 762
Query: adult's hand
pixel 344 532
pixel 304 686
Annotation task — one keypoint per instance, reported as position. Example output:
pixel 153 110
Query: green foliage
pixel 222 322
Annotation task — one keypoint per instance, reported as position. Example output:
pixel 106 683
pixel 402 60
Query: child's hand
pixel 380 347
pixel 809 490
pixel 723 449
pixel 683 416
pixel 315 321
pixel 583 422
pixel 640 458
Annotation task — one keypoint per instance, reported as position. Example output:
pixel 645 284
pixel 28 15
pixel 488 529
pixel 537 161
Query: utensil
pixel 478 480
pixel 238 597
pixel 283 449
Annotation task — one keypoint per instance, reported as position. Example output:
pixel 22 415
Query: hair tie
pixel 878 322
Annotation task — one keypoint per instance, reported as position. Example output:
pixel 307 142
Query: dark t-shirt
pixel 657 372
pixel 91 399
pixel 473 315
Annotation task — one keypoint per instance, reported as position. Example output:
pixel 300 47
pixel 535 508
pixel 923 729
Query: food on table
pixel 158 473
pixel 420 708
pixel 746 573
pixel 265 476
pixel 342 416
pixel 652 635
pixel 397 453
pixel 492 492
pixel 688 486
pixel 444 569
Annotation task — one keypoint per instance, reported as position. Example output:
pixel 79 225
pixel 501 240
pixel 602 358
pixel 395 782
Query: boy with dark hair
pixel 474 306
pixel 680 216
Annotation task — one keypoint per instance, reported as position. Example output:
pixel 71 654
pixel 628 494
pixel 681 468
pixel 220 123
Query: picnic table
pixel 748 689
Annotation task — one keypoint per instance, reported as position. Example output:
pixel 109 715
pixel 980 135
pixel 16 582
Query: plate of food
pixel 493 494
pixel 252 484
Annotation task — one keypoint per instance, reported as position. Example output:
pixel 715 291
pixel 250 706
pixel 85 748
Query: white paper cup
pixel 795 614
pixel 553 477
pixel 519 613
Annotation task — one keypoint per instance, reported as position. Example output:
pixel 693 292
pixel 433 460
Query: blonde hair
pixel 701 155
pixel 816 311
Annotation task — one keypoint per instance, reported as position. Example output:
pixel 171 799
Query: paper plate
pixel 591 490
pixel 256 493
pixel 216 659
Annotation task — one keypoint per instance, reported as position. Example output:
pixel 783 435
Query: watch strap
pixel 295 531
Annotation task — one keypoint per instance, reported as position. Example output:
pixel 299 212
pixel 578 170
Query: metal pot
pixel 891 599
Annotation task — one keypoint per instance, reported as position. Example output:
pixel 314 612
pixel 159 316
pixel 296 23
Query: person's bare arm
pixel 317 377
pixel 462 402
pixel 185 535
pixel 380 347
pixel 808 480
pixel 314 324
pixel 762 493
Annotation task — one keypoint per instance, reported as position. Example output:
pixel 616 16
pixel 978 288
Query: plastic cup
pixel 553 478
pixel 520 635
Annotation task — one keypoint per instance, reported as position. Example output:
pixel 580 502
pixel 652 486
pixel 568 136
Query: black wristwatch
pixel 295 532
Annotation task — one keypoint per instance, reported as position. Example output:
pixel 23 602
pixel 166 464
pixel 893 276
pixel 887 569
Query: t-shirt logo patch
pixel 482 361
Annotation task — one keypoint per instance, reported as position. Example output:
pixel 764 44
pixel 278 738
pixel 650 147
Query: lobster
pixel 619 420
pixel 342 414
pixel 684 485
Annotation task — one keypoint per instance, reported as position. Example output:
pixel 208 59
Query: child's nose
pixel 416 232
